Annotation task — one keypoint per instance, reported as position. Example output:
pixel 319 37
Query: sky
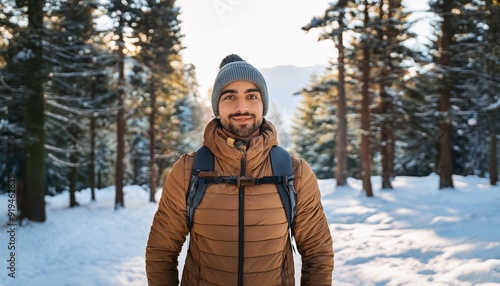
pixel 264 33
pixel 415 234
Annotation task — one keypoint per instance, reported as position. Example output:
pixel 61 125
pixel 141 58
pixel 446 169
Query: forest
pixel 96 94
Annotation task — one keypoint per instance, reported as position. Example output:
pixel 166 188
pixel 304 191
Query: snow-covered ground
pixel 412 235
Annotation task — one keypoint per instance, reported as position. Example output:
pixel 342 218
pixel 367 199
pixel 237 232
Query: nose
pixel 241 106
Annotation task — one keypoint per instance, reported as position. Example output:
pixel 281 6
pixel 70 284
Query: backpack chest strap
pixel 247 181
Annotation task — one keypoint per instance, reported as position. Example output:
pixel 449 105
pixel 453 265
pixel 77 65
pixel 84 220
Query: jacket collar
pixel 223 144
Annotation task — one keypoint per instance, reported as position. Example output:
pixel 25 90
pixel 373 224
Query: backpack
pixel 202 174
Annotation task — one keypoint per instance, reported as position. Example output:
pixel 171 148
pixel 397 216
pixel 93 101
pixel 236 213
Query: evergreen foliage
pixel 80 87
pixel 313 128
pixel 409 76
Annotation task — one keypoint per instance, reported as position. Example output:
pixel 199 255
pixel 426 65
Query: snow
pixel 412 235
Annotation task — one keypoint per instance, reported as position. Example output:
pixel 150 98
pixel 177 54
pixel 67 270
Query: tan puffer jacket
pixel 214 255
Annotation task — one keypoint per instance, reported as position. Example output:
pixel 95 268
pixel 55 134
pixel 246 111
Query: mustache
pixel 241 114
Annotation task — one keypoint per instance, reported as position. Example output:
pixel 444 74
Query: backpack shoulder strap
pixel 281 162
pixel 283 177
pixel 203 161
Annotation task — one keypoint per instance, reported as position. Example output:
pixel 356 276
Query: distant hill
pixel 284 81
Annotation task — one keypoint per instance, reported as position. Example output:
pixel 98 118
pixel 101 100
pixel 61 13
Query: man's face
pixel 241 109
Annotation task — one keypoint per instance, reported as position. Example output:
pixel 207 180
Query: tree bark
pixel 34 197
pixel 445 165
pixel 493 69
pixel 72 179
pixel 493 164
pixel 385 102
pixel 341 143
pixel 92 148
pixel 385 151
pixel 365 114
pixel 152 147
pixel 120 125
pixel 390 153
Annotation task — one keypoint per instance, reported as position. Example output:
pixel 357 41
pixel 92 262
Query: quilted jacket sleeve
pixel 312 234
pixel 169 230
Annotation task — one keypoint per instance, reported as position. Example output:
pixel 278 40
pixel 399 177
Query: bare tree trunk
pixel 33 205
pixel 385 104
pixel 365 115
pixel 387 143
pixel 92 160
pixel 341 143
pixel 99 180
pixel 120 127
pixel 494 69
pixel 152 147
pixel 72 179
pixel 493 164
pixel 136 168
pixel 445 154
pixel 385 150
pixel 390 154
pixel 92 149
pixel 445 165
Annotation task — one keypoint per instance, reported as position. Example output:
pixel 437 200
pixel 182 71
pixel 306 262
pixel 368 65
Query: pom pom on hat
pixel 229 59
pixel 233 68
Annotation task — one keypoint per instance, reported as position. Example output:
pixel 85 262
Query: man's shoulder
pixel 184 162
pixel 300 166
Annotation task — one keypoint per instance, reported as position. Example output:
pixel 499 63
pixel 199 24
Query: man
pixel 239 235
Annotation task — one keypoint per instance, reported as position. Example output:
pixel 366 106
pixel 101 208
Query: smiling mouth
pixel 242 118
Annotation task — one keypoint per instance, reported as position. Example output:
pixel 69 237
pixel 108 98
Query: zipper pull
pixel 241 145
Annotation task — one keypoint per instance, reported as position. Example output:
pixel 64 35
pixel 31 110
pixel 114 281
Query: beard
pixel 241 130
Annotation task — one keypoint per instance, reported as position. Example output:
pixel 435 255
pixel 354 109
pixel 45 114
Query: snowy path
pixel 414 235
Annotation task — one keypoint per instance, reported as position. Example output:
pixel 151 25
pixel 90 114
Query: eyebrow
pixel 234 91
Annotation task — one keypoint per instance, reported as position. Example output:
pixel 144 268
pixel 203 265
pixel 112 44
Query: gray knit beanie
pixel 233 68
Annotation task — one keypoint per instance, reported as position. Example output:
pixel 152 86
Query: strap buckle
pixel 287 181
pixel 207 174
pixel 245 181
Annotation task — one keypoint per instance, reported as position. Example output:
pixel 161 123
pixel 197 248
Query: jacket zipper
pixel 241 223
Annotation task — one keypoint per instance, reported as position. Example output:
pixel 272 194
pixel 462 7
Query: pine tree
pixel 33 76
pixel 159 35
pixel 13 99
pixel 178 119
pixel 361 59
pixel 445 161
pixel 365 105
pixel 72 93
pixel 196 114
pixel 125 16
pixel 416 148
pixel 464 86
pixel 314 126
pixel 99 103
pixel 492 71
pixel 334 24
pixel 482 88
